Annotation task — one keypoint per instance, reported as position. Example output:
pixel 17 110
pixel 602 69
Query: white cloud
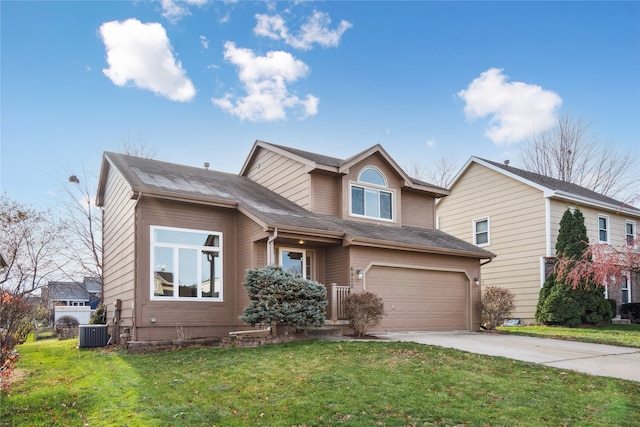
pixel 173 10
pixel 430 143
pixel 516 108
pixel 265 80
pixel 204 42
pixel 314 30
pixel 140 54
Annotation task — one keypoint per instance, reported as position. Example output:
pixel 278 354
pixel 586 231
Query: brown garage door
pixel 417 299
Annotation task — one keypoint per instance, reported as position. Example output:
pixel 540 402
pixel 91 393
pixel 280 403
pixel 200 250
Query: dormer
pixel 369 186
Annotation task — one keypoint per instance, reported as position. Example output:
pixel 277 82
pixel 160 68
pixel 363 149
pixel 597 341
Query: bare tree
pixel 569 152
pixel 82 222
pixel 440 173
pixel 31 243
pixel 138 146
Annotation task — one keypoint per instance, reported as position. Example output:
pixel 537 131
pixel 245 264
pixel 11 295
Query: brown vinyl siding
pixel 326 194
pixel 418 210
pixel 337 266
pixel 251 253
pixel 282 175
pixel 394 183
pixel 118 225
pixel 194 317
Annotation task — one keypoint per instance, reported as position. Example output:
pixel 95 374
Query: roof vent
pixel 506 162
pixel 206 165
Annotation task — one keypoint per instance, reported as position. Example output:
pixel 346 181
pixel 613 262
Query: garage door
pixel 417 299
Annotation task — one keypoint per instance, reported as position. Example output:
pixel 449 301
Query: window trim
pixel 176 296
pixel 607 229
pixel 633 234
pixel 475 233
pixel 373 187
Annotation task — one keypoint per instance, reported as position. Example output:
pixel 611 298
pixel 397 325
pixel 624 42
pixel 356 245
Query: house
pixel 178 240
pixel 73 294
pixel 516 215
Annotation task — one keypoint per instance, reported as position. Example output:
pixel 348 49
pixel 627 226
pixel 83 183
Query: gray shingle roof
pixel 335 162
pixel 562 186
pixel 173 180
pixel 66 291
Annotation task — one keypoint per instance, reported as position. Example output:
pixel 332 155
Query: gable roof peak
pixel 555 187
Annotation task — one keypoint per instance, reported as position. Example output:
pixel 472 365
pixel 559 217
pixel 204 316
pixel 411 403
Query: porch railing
pixel 338 294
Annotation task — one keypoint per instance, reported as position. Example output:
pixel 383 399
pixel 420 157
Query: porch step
pixel 325 331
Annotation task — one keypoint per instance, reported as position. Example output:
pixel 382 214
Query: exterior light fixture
pixel 359 274
pixel 301 242
pixel 476 281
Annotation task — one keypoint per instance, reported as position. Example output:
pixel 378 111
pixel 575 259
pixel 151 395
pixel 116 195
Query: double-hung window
pixel 370 196
pixel 481 231
pixel 603 229
pixel 186 264
pixel 625 291
pixel 630 231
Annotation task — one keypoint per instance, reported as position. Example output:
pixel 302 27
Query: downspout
pixel 134 332
pixel 271 251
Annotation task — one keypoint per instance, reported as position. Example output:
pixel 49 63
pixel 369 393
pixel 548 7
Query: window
pixel 481 232
pixel 626 292
pixel 369 198
pixel 630 230
pixel 297 261
pixel 603 229
pixel 186 264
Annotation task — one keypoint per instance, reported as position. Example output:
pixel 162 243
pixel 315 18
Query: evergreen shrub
pixel 282 298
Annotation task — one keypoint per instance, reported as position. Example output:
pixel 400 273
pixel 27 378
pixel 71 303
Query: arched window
pixel 369 197
pixel 372 176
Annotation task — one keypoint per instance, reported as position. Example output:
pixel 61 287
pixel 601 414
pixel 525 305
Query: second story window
pixel 370 196
pixel 481 231
pixel 630 230
pixel 603 229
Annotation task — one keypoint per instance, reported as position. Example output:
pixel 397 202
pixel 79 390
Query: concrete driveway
pixel 594 359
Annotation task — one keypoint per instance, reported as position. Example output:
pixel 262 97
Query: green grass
pixel 307 383
pixel 622 335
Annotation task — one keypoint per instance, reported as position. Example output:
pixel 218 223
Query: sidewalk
pixel 594 359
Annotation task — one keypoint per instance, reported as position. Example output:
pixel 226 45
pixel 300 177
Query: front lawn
pixel 307 383
pixel 622 335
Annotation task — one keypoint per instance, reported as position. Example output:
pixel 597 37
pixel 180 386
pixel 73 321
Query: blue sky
pixel 200 81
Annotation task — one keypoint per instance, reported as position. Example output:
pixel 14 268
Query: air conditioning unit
pixel 92 336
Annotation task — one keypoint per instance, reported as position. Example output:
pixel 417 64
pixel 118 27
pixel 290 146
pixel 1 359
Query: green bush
pixel 364 310
pixel 497 305
pixel 631 311
pixel 560 307
pixel 614 307
pixel 282 298
pixel 560 303
pixel 99 316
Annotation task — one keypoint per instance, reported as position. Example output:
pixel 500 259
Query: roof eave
pixel 595 203
pixel 361 241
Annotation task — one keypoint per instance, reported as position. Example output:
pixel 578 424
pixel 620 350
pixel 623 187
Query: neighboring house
pixel 73 294
pixel 516 215
pixel 178 240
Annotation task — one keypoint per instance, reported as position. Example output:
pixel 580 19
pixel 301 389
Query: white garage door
pixel 420 300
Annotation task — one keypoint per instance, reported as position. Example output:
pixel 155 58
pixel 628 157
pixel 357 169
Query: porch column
pixel 334 302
